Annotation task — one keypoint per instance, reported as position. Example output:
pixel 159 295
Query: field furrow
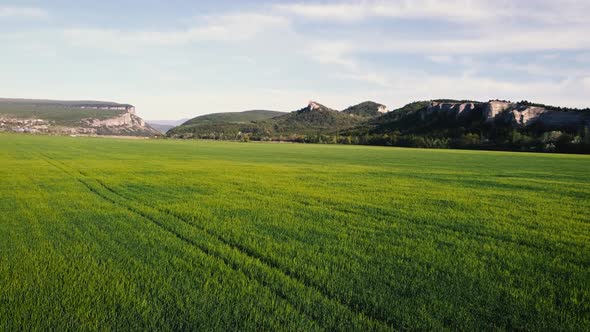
pixel 327 311
pixel 177 235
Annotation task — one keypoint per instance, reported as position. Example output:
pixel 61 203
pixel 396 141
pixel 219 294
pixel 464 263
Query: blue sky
pixel 178 59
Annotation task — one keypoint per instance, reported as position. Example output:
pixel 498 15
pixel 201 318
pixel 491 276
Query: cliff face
pixel 126 119
pixel 453 109
pixel 126 124
pixel 515 114
pixel 493 108
pixel 71 118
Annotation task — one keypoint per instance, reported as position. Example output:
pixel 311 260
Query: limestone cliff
pixel 516 114
pixel 72 118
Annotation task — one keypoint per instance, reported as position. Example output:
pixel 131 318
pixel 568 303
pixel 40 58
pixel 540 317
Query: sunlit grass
pixel 170 235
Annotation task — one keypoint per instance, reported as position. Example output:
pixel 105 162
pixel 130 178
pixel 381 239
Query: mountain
pixel 443 115
pixel 367 109
pixel 496 124
pixel 233 117
pixel 71 117
pixel 222 125
pixel 312 120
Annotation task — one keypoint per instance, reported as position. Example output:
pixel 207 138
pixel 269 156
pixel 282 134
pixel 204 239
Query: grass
pixel 190 235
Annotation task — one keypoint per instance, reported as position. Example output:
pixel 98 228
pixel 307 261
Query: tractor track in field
pixel 179 236
pixel 378 323
pixel 256 256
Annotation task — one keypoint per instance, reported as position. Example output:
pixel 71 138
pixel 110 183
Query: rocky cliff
pixel 515 114
pixel 72 118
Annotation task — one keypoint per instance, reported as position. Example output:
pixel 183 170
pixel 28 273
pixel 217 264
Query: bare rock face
pixel 33 125
pixel 524 116
pixel 126 119
pixel 125 124
pixel 455 109
pixel 383 109
pixel 495 107
pixel 515 114
pixel 314 106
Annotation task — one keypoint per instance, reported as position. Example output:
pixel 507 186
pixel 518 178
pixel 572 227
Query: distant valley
pixel 165 125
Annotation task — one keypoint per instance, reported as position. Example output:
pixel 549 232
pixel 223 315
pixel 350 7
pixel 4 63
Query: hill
pixel 367 109
pixel 441 123
pixel 233 117
pixel 223 125
pixel 494 124
pixel 306 124
pixel 313 119
pixel 71 117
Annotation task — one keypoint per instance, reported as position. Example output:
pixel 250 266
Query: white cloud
pixel 571 92
pixel 22 13
pixel 228 27
pixel 502 40
pixel 583 58
pixel 474 11
pixel 442 59
pixel 354 53
pixel 373 78
pixel 331 52
pixel 353 11
pixel 398 90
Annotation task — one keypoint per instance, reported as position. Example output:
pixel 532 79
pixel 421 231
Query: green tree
pixel 586 135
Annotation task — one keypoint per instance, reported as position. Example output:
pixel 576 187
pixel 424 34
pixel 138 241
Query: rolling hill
pixel 233 117
pixel 222 125
pixel 71 117
pixel 367 109
pixel 442 123
pixel 312 120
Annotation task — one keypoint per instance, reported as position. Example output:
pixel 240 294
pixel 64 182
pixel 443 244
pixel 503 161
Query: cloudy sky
pixel 179 58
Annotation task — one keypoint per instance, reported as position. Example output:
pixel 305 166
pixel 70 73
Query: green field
pixel 107 234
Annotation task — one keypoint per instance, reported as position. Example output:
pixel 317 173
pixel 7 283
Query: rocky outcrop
pixel 367 109
pixel 450 108
pixel 127 119
pixel 523 116
pixel 516 114
pixel 23 125
pixel 494 108
pixel 520 115
pixel 125 124
pixel 314 106
pixel 123 120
